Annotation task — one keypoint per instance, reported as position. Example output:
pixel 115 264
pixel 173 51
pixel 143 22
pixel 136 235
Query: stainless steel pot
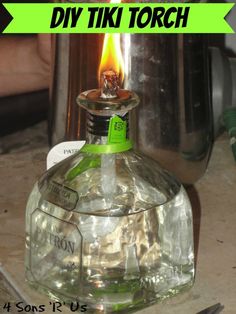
pixel 173 123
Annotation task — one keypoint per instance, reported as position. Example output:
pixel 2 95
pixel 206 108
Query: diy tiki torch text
pixel 111 17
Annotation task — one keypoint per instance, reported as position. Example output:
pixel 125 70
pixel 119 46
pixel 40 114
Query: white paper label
pixel 62 151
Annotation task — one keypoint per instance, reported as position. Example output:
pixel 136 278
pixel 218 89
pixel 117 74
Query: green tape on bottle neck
pixel 116 140
pixel 107 149
pixel 117 130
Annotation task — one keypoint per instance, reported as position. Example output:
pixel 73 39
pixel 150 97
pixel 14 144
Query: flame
pixel 111 54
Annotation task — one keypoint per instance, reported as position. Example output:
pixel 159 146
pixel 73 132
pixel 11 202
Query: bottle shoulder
pixel 119 183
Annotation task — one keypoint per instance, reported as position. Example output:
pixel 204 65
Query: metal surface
pixel 75 70
pixel 173 123
pixel 58 113
pixel 170 75
pixel 168 72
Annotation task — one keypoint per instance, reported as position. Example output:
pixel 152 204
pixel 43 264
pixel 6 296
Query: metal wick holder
pixel 110 99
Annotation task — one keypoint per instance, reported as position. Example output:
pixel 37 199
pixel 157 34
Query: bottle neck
pixel 100 128
pixel 96 139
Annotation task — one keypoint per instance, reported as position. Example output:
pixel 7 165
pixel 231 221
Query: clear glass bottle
pixel 107 226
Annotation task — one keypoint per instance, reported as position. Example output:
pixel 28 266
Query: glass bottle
pixel 108 227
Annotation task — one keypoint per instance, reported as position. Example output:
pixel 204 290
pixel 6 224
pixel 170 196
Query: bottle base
pixel 123 299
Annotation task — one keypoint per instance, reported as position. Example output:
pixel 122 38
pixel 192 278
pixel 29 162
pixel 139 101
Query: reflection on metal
pixel 173 123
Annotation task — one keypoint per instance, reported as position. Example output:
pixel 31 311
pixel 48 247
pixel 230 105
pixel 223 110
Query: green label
pixel 115 18
pixel 117 130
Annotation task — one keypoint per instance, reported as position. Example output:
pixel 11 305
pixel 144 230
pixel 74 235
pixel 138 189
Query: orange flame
pixel 111 54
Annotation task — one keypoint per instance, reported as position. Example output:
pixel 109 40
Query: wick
pixel 109 84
